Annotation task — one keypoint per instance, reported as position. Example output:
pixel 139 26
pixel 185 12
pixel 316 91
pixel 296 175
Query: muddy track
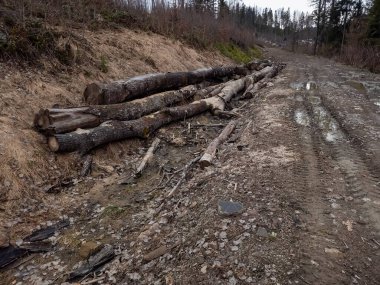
pixel 329 153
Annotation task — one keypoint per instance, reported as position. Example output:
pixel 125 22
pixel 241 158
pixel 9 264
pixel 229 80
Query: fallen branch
pixel 210 152
pixel 148 157
pixel 160 251
pixel 184 172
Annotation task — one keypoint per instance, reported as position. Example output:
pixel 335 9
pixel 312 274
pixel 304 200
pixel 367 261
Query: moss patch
pixel 238 54
pixel 357 85
pixel 112 211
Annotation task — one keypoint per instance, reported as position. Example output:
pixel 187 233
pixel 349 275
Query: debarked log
pixel 210 152
pixel 142 86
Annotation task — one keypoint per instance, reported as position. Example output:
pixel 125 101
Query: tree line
pixel 349 29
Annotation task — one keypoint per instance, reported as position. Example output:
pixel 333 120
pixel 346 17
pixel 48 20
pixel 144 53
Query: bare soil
pixel 306 170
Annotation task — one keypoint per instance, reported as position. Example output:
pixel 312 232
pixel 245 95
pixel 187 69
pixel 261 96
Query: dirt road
pixel 304 162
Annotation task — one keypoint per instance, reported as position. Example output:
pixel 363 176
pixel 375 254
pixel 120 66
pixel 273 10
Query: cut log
pixel 218 102
pixel 142 86
pixel 210 152
pixel 58 121
pixel 85 140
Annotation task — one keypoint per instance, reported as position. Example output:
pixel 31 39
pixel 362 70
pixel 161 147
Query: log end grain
pixel 205 160
pixel 93 94
pixel 53 144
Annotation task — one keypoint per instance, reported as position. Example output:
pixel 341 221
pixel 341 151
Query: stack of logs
pixel 126 109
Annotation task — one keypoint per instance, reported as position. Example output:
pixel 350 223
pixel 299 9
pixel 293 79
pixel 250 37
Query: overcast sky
pixel 299 5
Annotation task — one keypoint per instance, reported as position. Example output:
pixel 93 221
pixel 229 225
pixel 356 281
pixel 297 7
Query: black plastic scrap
pixel 47 232
pixel 31 244
pixel 10 254
pixel 100 258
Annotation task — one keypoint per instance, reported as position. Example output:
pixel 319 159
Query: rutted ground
pixel 304 169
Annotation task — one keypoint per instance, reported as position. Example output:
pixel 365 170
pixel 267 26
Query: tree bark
pixel 210 152
pixel 142 86
pixel 57 121
pixel 85 140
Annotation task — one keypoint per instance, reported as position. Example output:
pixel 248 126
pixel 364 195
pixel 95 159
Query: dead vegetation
pixel 35 28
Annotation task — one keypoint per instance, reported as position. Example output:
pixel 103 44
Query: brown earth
pixel 305 169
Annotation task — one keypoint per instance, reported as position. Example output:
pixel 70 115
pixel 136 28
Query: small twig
pixel 93 281
pixel 303 279
pixel 185 170
pixel 375 241
pixel 209 125
pixel 242 106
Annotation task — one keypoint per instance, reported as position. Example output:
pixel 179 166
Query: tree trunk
pixel 142 86
pixel 85 140
pixel 57 121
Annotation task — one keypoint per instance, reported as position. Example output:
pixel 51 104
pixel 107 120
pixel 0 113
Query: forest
pixel 346 29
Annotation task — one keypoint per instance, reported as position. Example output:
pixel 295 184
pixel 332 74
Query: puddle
pixel 359 86
pixel 311 85
pixel 297 86
pixel 315 100
pixel 327 124
pixel 301 118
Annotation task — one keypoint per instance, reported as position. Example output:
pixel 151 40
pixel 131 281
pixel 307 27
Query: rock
pixel 232 281
pixel 234 248
pixel 89 248
pixel 204 269
pixel 262 232
pixel 3 38
pixel 229 208
pixel 134 276
pixel 223 235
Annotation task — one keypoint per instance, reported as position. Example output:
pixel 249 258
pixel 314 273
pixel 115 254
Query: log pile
pixel 126 109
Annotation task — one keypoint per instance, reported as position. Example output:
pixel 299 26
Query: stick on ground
pixel 210 152
pixel 185 170
pixel 148 157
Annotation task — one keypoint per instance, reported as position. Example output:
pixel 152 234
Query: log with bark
pixel 63 120
pixel 109 131
pixel 142 86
